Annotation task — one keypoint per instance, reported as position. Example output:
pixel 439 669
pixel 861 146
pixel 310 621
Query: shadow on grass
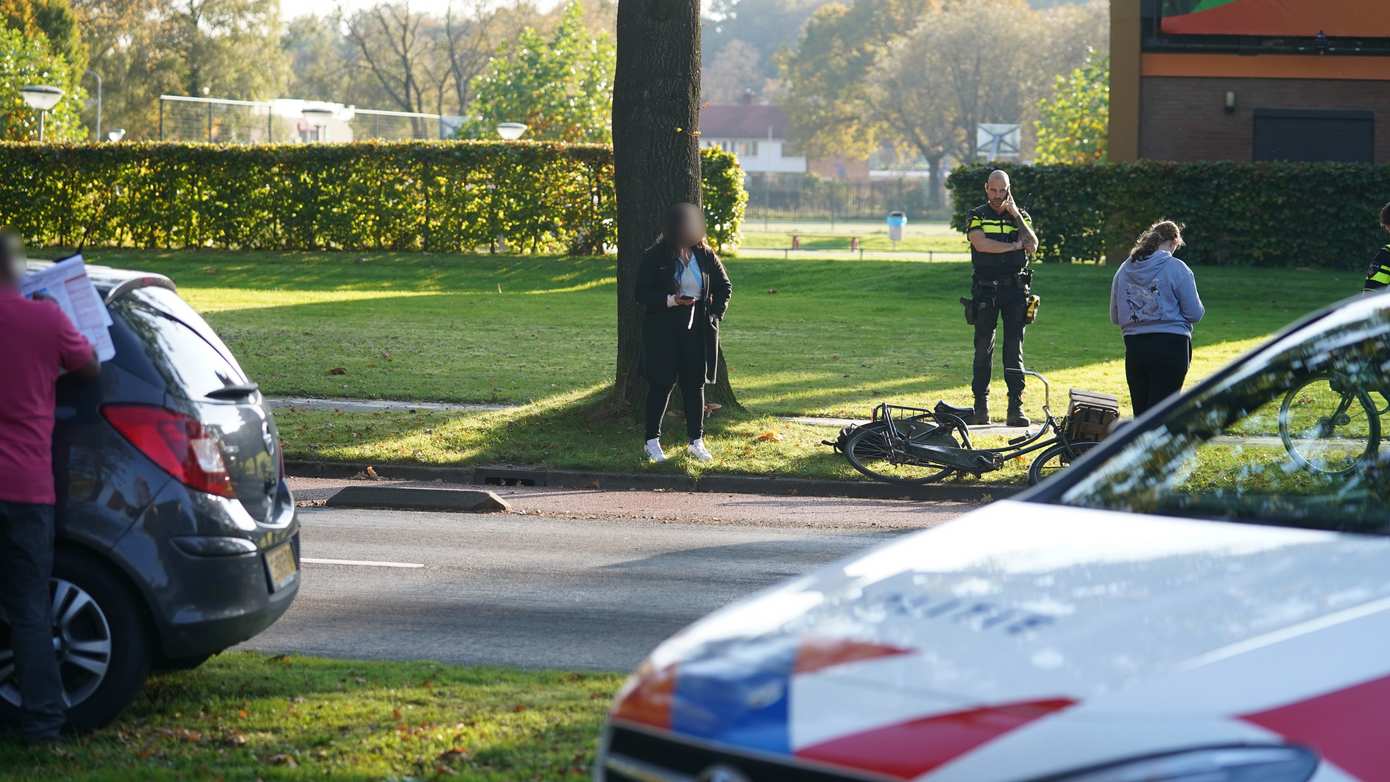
pixel 567 431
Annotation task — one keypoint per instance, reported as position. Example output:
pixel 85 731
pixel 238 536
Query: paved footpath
pixel 396 405
pixel 570 579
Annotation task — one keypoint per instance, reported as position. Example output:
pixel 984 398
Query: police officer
pixel 1378 276
pixel 1001 237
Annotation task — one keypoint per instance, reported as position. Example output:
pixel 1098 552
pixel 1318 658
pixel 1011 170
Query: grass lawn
pixel 918 237
pixel 245 716
pixel 815 337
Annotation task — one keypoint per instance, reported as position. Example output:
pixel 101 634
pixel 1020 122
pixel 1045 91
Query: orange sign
pixel 1278 18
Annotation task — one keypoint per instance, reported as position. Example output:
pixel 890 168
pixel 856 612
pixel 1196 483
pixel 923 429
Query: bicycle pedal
pixel 1020 439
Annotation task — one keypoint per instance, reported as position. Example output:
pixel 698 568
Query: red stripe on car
pixel 910 749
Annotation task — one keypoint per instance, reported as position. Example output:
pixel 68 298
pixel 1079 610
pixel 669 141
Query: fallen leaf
pixel 769 437
pixel 519 708
pixel 453 755
pixel 283 759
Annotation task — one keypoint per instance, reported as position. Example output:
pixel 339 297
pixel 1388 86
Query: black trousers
pixel 688 351
pixel 1155 366
pixel 1011 304
pixel 26 564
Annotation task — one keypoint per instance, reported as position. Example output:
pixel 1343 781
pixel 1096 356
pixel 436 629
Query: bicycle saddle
pixel 959 412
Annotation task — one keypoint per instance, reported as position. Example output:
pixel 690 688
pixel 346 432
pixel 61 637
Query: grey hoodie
pixel 1155 295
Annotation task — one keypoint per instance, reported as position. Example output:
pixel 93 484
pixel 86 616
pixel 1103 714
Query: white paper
pixel 67 284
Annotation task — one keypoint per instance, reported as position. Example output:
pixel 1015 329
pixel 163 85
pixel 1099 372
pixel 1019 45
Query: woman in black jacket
pixel 685 291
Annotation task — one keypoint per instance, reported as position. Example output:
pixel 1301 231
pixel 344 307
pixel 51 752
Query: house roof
pixel 743 121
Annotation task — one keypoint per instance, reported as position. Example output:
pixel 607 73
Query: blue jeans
pixel 26 564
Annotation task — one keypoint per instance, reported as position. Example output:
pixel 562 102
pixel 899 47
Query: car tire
pixel 99 602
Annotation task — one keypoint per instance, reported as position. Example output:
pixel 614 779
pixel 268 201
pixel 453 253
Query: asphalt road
pixel 549 586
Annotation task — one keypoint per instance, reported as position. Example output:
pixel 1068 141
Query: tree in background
pixel 27 59
pixel 561 87
pixel 752 32
pixel 1074 123
pixel 733 74
pixel 145 48
pixel 401 49
pixel 55 20
pixel 828 70
pixel 859 81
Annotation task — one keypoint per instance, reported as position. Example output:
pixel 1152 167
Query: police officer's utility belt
pixel 983 304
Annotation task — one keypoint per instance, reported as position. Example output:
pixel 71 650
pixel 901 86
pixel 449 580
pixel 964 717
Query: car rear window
pixel 181 346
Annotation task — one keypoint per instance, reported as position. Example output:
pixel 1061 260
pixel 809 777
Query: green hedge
pixel 1266 214
pixel 437 196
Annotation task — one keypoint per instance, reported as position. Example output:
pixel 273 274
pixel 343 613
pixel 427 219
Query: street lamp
pixel 42 98
pixel 98 75
pixel 318 116
pixel 510 131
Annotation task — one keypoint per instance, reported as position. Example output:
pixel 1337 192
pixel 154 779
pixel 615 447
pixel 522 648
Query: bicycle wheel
pixel 1328 430
pixel 1055 459
pixel 879 454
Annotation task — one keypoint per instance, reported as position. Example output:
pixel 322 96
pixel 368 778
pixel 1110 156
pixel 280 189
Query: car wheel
pixel 100 637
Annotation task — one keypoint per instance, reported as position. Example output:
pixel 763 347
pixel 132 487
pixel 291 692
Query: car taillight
pixel 179 444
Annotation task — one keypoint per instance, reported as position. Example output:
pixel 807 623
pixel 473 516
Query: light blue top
pixel 1155 295
pixel 689 279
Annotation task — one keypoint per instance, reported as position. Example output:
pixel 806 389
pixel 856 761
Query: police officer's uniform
pixel 999 288
pixel 1379 274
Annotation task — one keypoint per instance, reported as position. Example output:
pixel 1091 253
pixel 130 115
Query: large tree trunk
pixel 656 156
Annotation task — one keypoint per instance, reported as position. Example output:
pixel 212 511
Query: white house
pixel 756 134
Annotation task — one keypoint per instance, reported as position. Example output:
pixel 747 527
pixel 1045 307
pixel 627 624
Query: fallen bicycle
pixel 912 445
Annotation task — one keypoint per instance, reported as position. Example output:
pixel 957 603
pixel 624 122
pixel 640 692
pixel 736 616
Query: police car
pixel 1205 596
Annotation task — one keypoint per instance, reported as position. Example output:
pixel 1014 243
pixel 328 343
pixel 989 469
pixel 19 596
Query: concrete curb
pixel 407 498
pixel 488 475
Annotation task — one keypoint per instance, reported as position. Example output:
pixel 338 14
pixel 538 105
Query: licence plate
pixel 283 568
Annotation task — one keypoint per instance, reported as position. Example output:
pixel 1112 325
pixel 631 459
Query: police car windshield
pixel 1293 437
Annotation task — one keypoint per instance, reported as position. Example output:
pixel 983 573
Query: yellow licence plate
pixel 283 568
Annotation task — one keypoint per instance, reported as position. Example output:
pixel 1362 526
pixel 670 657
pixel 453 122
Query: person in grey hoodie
pixel 1154 301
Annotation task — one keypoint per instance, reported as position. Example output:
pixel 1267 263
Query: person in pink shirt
pixel 38 346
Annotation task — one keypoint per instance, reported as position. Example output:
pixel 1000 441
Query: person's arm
pixel 1188 300
pixel 650 292
pixel 1025 230
pixel 721 288
pixel 1379 274
pixel 1115 299
pixel 984 244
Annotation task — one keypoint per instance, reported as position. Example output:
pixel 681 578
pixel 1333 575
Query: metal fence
pixel 226 121
pixel 799 196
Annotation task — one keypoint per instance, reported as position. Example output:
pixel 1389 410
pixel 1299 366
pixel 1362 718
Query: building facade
pixel 756 134
pixel 1250 80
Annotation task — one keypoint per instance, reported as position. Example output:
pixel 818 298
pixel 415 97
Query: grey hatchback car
pixel 177 534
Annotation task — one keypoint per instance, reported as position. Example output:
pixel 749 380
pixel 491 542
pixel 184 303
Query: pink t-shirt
pixel 37 342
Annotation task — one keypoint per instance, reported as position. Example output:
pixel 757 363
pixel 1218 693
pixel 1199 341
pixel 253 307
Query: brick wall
pixel 1183 118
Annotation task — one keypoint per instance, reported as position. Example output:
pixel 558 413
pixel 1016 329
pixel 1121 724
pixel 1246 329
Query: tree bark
pixel 656 157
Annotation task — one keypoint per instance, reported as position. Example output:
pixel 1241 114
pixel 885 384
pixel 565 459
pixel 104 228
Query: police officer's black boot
pixel 981 416
pixel 1016 416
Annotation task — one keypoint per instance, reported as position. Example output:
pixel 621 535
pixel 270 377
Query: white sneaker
pixel 654 453
pixel 699 451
